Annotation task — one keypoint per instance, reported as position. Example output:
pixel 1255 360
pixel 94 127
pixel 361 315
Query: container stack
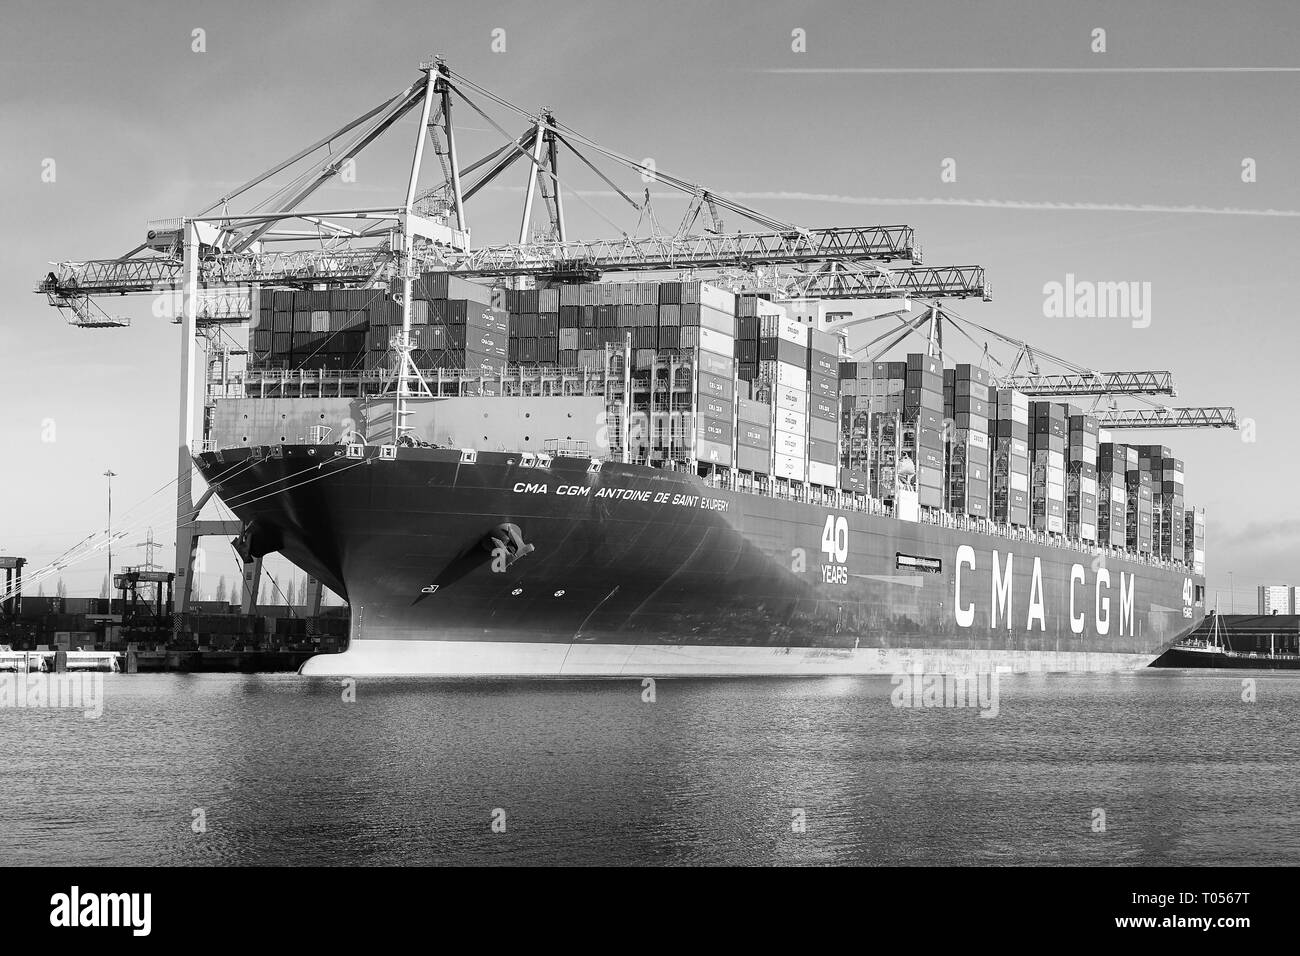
pixel 1047 463
pixel 823 409
pixel 1138 523
pixel 594 315
pixel 888 387
pixel 312 329
pixel 871 402
pixel 486 337
pixel 1081 477
pixel 783 363
pixel 1194 539
pixel 1113 463
pixel 534 331
pixel 1081 501
pixel 715 386
pixel 969 468
pixel 753 436
pixel 747 330
pixel 923 404
pixel 447 314
pixel 1168 522
pixel 855 415
pixel 1009 434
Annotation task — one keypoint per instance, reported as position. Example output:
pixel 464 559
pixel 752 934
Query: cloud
pixel 1265 534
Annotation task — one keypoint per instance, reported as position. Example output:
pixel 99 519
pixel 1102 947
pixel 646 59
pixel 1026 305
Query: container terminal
pixel 697 451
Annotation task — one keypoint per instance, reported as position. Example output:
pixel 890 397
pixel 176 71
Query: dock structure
pixel 11 595
pixel 50 662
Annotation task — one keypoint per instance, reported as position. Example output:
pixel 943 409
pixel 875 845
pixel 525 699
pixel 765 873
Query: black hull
pixel 1181 657
pixel 634 567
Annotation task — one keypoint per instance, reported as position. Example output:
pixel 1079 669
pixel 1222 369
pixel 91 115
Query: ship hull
pixel 627 570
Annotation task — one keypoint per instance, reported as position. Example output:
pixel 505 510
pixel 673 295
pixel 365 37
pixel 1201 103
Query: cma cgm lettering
pixel 1107 601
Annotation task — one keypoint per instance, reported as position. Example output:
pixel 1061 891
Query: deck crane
pixel 216 262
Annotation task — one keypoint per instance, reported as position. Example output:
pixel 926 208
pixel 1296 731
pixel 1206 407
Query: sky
pixel 1122 165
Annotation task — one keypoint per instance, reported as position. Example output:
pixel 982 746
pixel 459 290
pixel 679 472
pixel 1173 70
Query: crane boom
pixel 1092 383
pixel 1217 416
pixel 954 282
pixel 656 253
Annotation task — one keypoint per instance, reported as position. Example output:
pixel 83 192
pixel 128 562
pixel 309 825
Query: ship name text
pixel 622 494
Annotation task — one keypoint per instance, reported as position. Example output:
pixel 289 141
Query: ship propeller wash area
pixel 721 444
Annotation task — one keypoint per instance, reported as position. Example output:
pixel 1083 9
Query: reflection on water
pixel 711 772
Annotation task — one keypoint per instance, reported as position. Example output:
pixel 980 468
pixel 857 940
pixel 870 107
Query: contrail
pixel 790 196
pixel 1014 204
pixel 1026 69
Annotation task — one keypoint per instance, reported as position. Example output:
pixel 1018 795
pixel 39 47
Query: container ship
pixel 508 464
pixel 601 479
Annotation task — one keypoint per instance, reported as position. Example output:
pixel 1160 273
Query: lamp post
pixel 1232 595
pixel 110 475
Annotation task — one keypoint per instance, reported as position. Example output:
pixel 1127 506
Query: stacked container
pixel 715 387
pixel 753 436
pixel 1138 523
pixel 923 405
pixel 887 387
pixel 968 451
pixel 855 415
pixel 1194 539
pixel 823 409
pixel 1047 436
pixel 534 337
pixel 486 337
pixel 447 324
pixel 1009 434
pixel 1081 477
pixel 1168 522
pixel 1113 464
pixel 783 362
pixel 747 330
pixel 321 329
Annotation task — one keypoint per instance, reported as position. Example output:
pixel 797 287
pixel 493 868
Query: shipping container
pixel 791 467
pixel 823 473
pixel 757 460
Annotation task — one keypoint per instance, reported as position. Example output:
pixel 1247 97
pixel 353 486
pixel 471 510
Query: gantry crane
pixel 217 260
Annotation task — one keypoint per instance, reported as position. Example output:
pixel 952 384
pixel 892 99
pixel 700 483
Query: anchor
pixel 506 543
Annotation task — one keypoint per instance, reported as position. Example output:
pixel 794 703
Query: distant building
pixel 1278 599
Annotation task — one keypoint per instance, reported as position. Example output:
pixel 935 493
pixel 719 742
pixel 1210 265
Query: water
pixel 710 773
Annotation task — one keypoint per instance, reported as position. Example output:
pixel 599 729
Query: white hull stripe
pixel 509 659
